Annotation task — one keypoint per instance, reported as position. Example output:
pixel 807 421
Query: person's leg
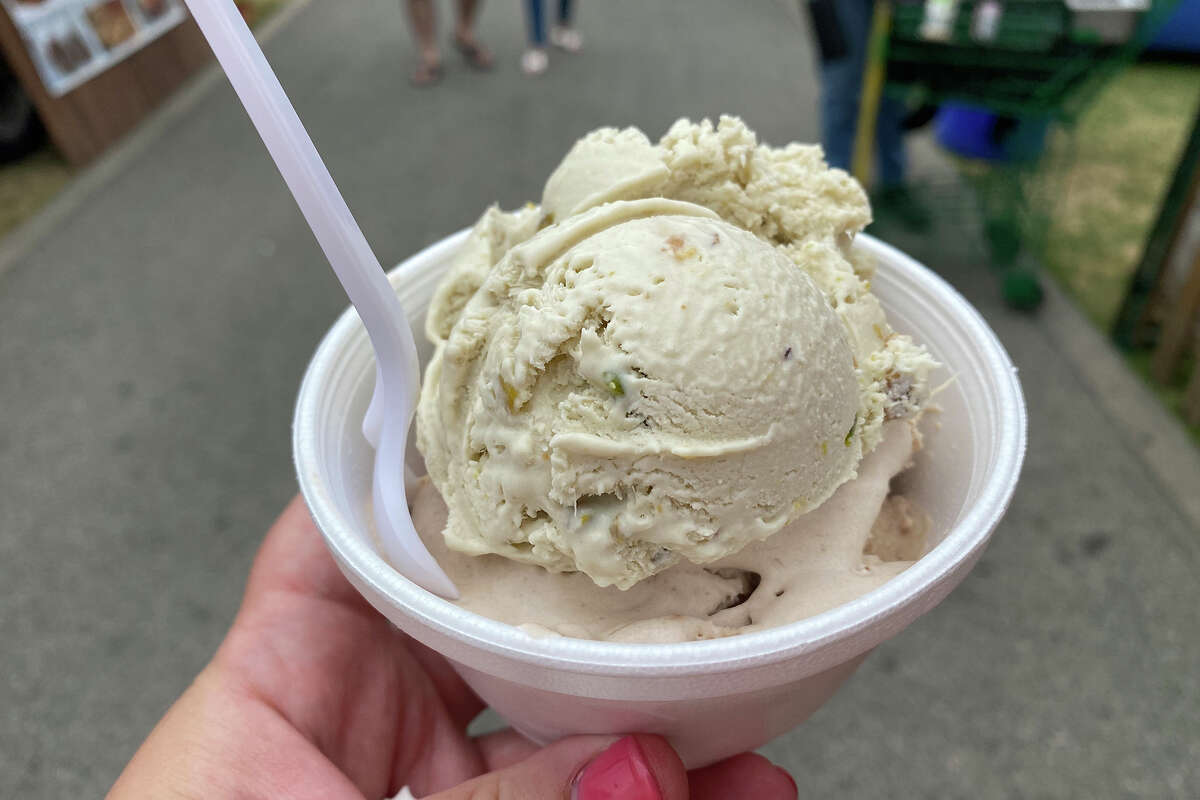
pixel 841 83
pixel 423 25
pixel 465 40
pixel 536 18
pixel 563 35
pixel 534 60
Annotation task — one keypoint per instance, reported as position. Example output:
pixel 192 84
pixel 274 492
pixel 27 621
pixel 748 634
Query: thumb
pixel 640 767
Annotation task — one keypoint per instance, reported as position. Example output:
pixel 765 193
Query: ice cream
pixel 637 384
pixel 813 564
pixel 669 366
pixel 786 196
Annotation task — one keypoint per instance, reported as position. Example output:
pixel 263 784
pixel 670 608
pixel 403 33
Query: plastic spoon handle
pixel 348 253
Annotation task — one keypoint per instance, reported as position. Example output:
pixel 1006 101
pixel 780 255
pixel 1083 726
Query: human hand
pixel 313 694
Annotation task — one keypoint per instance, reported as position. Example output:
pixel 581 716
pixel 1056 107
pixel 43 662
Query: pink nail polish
pixel 619 773
pixel 791 780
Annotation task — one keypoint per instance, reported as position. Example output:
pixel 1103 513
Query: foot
pixel 566 38
pixel 534 61
pixel 427 73
pixel 475 54
pixel 900 204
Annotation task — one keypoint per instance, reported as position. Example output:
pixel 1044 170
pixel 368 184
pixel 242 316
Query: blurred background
pixel 160 295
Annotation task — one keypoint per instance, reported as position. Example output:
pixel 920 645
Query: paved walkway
pixel 154 327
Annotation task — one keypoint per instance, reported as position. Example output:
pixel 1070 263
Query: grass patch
pixel 28 184
pixel 1172 394
pixel 263 9
pixel 1107 178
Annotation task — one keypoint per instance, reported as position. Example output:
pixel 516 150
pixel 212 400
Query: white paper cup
pixel 713 698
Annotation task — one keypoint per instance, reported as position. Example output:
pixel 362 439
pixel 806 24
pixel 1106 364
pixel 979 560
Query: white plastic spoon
pixel 397 374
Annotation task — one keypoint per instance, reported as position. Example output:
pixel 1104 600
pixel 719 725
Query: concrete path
pixel 154 327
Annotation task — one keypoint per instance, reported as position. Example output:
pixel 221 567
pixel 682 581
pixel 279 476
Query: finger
pixel 294 558
pixel 748 775
pixel 504 748
pixel 460 700
pixel 307 645
pixel 637 767
pixel 432 749
pixel 376 714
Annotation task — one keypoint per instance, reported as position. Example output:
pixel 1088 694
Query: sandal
pixel 426 74
pixel 475 54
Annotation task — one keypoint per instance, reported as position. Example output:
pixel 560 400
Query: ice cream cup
pixel 713 698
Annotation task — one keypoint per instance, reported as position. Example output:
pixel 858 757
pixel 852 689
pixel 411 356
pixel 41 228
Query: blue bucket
pixel 976 133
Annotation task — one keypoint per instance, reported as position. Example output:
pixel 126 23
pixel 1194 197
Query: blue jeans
pixel 841 84
pixel 537 19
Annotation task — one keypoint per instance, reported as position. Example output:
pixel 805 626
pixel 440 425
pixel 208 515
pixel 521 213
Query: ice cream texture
pixel 674 356
pixel 854 542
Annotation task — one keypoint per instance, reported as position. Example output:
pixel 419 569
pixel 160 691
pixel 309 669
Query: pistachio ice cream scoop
pixel 673 356
pixel 638 384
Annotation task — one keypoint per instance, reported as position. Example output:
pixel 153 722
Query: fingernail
pixel 619 773
pixel 791 780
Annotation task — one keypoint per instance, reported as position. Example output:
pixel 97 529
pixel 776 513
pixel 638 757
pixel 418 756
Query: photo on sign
pixel 153 9
pixel 61 47
pixel 68 53
pixel 111 22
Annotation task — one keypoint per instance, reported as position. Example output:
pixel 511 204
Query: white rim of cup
pixel 964 540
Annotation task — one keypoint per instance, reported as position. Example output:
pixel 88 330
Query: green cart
pixel 1004 74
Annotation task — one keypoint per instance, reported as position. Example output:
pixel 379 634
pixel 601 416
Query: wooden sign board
pixel 94 68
